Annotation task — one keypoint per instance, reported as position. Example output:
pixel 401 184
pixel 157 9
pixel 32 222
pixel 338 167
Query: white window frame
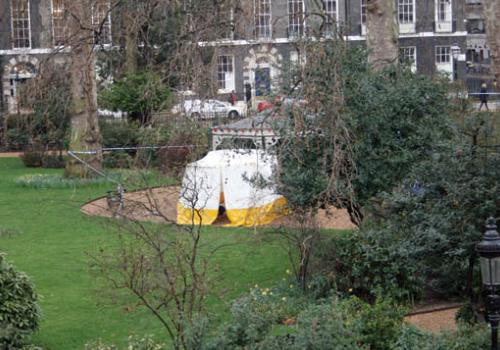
pixel 97 20
pixel 444 60
pixel 232 24
pixel 229 81
pixel 16 38
pixel 332 19
pixel 296 21
pixel 406 16
pixel 444 25
pixel 55 37
pixel 409 53
pixel 262 31
pixel 363 15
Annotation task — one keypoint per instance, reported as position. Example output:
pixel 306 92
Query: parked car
pixel 208 109
pixel 279 101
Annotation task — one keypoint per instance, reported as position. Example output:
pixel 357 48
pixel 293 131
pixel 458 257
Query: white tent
pixel 235 179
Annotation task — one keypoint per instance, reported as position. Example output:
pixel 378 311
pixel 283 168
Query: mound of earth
pixel 160 205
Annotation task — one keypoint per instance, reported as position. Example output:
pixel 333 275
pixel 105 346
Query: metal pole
pixel 493 308
pixel 494 335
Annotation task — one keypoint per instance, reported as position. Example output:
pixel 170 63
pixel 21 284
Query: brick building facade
pixel 436 35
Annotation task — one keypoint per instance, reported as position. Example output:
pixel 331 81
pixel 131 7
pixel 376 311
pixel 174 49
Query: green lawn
pixel 50 240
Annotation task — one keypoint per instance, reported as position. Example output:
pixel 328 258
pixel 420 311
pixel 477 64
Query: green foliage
pixel 361 132
pixel 378 324
pixel 248 327
pixel 37 159
pixel 119 133
pixel 329 323
pixel 397 118
pixel 56 181
pixel 465 338
pixel 466 314
pixel 371 262
pixel 138 94
pixel 16 138
pixel 302 179
pixel 443 216
pixel 187 142
pixel 322 327
pixel 134 343
pixel 19 311
pixel 48 96
pixel 117 159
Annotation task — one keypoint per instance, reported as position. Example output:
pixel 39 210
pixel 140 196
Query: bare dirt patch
pixel 11 154
pixel 160 205
pixel 434 318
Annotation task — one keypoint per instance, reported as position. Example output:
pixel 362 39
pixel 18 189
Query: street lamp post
pixel 489 253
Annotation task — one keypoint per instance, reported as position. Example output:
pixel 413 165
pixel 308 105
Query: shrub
pixel 119 133
pixel 32 159
pixel 157 136
pixel 378 324
pixel 322 327
pixel 53 161
pixel 248 327
pixel 117 159
pixel 17 139
pixel 37 159
pixel 134 343
pixel 19 311
pixel 465 338
pixel 187 142
pixel 139 94
pixel 369 262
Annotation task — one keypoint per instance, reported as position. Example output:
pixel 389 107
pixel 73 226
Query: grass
pixel 45 235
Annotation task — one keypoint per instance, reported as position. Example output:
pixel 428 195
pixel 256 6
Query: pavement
pixel 10 154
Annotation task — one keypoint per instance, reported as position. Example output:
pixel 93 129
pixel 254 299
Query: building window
pixel 476 26
pixel 363 17
pixel 405 11
pixel 101 17
pixel 408 55
pixel 228 24
pixel 443 16
pixel 295 18
pixel 225 73
pixel 443 54
pixel 21 28
pixel 331 20
pixel 262 10
pixel 406 16
pixel 58 24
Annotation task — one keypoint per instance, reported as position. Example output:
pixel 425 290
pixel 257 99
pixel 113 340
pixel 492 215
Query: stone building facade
pixel 29 31
pixel 433 36
pixel 478 57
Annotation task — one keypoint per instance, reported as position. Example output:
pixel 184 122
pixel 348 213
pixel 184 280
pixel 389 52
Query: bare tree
pixel 85 134
pixel 381 33
pixel 164 267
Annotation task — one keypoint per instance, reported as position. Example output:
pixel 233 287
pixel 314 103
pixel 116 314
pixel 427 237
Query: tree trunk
pixel 381 33
pixel 85 135
pixel 131 26
pixel 492 17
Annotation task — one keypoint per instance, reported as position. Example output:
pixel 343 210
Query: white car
pixel 208 109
